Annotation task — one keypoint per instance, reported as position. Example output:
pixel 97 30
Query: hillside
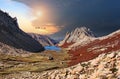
pixel 43 39
pixel 83 46
pixel 12 35
pixel 96 47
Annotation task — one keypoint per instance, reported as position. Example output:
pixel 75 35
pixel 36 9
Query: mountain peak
pixel 78 35
pixel 82 32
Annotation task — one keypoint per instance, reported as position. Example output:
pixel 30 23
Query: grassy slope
pixel 34 63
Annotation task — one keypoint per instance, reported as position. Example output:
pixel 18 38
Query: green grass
pixel 34 63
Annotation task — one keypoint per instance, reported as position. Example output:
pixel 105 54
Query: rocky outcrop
pixel 79 36
pixel 105 66
pixel 43 39
pixel 11 35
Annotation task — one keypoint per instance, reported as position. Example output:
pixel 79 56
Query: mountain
pixel 77 37
pixel 83 46
pixel 43 39
pixel 12 35
pixel 105 44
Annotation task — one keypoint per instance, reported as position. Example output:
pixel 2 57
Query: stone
pixel 50 58
pixel 77 69
pixel 111 55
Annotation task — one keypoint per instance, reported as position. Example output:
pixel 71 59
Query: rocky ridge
pixel 12 35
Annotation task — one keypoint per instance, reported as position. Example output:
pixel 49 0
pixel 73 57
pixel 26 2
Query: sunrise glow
pixel 29 19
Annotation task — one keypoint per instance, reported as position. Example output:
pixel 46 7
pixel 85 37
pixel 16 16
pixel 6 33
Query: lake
pixel 55 48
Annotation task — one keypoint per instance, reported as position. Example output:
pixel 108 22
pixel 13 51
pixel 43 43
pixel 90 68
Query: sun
pixel 39 13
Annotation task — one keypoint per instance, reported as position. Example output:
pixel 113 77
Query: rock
pixel 111 55
pixel 118 77
pixel 50 58
pixel 78 69
pixel 72 77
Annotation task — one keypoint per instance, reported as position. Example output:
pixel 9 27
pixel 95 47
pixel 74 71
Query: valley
pixel 80 55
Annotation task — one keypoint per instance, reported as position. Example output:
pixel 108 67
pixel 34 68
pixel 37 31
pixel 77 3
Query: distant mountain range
pixel 43 39
pixel 11 35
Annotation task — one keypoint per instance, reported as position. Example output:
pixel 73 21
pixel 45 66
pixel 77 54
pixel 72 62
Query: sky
pixel 56 17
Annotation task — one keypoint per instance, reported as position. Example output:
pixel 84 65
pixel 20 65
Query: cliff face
pixel 11 35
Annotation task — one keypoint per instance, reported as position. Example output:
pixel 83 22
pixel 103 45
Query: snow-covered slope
pixel 44 40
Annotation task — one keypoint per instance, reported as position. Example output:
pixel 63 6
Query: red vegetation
pixel 95 48
pixel 65 45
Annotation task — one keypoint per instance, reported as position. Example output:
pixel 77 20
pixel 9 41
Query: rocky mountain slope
pixel 96 47
pixel 11 35
pixel 44 40
pixel 9 50
pixel 79 36
pixel 84 46
pixel 105 66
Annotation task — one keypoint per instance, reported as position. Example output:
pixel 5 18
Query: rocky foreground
pixel 105 66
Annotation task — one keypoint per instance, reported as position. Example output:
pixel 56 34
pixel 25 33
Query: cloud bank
pixel 102 16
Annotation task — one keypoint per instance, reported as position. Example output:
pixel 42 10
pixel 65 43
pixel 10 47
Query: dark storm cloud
pixel 101 16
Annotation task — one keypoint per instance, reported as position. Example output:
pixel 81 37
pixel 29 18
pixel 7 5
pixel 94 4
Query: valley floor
pixel 105 66
pixel 36 62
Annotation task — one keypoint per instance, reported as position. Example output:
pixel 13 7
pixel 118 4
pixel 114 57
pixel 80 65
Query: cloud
pixel 29 17
pixel 19 10
pixel 99 15
pixel 43 14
